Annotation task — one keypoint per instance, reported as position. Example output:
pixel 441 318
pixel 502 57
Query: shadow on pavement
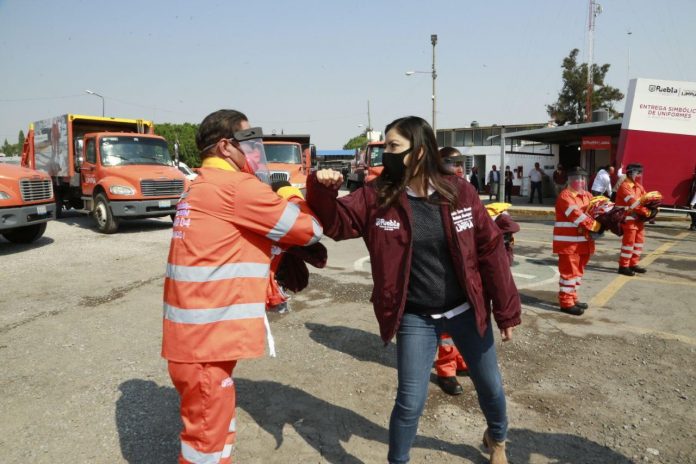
pixel 148 422
pixel 540 299
pixel 84 221
pixel 9 248
pixel 147 418
pixel 361 345
pixel 559 448
pixel 324 426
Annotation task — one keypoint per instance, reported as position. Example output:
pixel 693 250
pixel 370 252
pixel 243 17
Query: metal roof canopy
pixel 570 134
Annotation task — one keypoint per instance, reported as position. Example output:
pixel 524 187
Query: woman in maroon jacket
pixel 438 264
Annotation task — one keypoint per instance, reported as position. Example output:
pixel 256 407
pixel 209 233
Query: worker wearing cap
pixel 572 241
pixel 628 195
pixel 225 229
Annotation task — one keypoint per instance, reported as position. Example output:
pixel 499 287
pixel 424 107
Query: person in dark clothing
pixel 474 179
pixel 508 184
pixel 438 264
pixel 494 184
pixel 536 176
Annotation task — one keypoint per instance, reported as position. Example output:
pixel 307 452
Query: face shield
pixel 251 144
pixel 577 182
pixel 636 174
pixel 455 164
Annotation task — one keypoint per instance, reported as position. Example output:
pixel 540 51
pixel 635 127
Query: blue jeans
pixel 416 343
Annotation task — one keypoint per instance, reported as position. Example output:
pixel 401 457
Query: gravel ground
pixel 80 327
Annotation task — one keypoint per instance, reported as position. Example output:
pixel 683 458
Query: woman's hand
pixel 506 334
pixel 330 178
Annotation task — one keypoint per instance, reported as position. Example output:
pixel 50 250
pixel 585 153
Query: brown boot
pixel 496 448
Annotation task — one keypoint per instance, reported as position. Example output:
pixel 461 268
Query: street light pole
pixel 433 40
pixel 100 96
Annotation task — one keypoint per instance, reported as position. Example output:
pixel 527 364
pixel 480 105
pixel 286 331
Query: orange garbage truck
pixel 290 158
pixel 26 203
pixel 367 165
pixel 113 168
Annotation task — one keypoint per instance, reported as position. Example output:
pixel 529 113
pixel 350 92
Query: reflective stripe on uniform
pixel 227 451
pixel 318 232
pixel 207 316
pixel 233 425
pixel 445 342
pixel 568 281
pixel 565 224
pixel 570 209
pixel 580 219
pixel 627 247
pixel 567 289
pixel 561 238
pixel 626 255
pixel 285 223
pixel 197 457
pixel 635 204
pixel 210 273
pixel 628 197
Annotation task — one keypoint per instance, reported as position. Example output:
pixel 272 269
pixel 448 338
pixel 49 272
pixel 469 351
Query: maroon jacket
pixel 476 243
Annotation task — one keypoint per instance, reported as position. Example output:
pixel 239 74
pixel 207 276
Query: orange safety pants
pixel 571 267
pixel 207 410
pixel 448 361
pixel 631 244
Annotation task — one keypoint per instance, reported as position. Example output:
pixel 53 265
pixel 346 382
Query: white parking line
pixel 523 276
pixel 553 279
pixel 358 264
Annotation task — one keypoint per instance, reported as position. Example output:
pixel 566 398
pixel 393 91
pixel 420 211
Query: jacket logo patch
pixel 387 225
pixel 462 219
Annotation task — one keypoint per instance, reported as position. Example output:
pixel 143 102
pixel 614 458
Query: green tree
pixel 570 106
pixel 6 148
pixel 21 138
pixel 358 141
pixel 186 134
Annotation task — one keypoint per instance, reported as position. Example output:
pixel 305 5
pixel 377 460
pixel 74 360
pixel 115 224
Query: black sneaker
pixel 573 310
pixel 627 271
pixel 582 306
pixel 638 269
pixel 450 385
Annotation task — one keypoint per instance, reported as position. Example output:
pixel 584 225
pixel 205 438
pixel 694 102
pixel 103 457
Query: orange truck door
pixel 88 171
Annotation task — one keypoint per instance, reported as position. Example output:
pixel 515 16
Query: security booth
pixel 589 145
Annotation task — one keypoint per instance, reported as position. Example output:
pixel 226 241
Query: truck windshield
pixel 121 150
pixel 282 153
pixel 375 154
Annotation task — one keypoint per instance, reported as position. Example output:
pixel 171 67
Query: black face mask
pixel 394 165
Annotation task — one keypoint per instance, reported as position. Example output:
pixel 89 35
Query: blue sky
pixel 311 66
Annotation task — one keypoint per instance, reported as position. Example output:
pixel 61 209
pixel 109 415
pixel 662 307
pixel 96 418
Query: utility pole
pixel 595 10
pixel 369 120
pixel 501 185
pixel 433 40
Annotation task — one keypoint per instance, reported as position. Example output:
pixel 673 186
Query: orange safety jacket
pixel 629 195
pixel 218 266
pixel 570 231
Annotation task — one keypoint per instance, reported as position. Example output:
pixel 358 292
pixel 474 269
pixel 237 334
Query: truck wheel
pixel 106 222
pixel 25 234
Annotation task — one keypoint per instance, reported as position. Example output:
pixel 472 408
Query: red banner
pixel 598 142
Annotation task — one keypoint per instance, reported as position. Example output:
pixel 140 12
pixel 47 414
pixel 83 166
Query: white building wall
pixel 514 160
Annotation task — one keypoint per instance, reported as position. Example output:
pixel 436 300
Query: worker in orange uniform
pixel 449 361
pixel 628 195
pixel 572 240
pixel 226 225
